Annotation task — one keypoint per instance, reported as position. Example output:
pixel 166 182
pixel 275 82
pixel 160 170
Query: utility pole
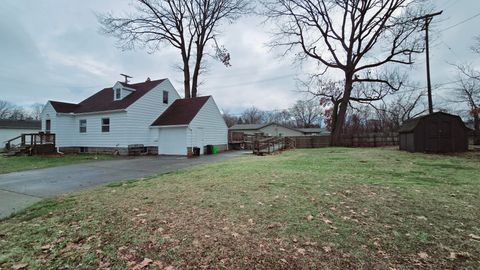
pixel 428 18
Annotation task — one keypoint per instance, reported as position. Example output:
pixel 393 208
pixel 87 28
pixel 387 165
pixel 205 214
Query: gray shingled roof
pixel 20 124
pixel 248 126
pixel 313 130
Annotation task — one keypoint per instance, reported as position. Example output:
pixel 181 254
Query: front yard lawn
pixel 331 208
pixel 22 163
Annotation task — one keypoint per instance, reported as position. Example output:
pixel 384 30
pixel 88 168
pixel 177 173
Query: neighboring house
pixel 270 129
pixel 273 129
pixel 10 129
pixel 151 114
pixel 314 131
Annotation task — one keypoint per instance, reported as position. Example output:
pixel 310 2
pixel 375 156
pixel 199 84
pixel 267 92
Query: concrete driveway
pixel 21 189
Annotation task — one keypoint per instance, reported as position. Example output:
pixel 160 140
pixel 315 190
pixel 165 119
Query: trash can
pixel 214 149
pixel 209 149
pixel 196 151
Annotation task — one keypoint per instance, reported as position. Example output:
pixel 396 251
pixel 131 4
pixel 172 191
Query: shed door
pixel 438 136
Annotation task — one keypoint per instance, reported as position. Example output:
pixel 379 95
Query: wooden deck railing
pixel 31 139
pixel 272 145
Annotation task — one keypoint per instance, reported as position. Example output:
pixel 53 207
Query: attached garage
pixel 191 123
pixel 434 133
pixel 172 141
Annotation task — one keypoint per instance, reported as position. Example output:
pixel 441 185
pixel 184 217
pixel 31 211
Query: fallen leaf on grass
pixel 45 247
pixel 251 221
pixel 309 217
pixel 327 221
pixel 19 266
pixel 170 267
pixel 458 255
pixel 474 237
pixel 422 218
pixel 143 264
pixel 423 255
pixel 301 251
pixel 327 249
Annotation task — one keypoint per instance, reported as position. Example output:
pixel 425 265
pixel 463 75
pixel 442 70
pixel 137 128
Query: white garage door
pixel 172 141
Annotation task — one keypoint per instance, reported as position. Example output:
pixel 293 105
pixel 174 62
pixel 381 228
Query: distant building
pixel 274 129
pixel 435 133
pixel 10 129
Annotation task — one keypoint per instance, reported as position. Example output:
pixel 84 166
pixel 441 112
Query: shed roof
pixel 20 124
pixel 181 112
pixel 103 100
pixel 411 124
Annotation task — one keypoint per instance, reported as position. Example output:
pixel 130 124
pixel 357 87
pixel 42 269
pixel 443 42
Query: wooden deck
pixel 31 144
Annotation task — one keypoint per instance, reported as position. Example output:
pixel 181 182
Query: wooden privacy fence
pixel 311 141
pixel 371 140
pixel 357 140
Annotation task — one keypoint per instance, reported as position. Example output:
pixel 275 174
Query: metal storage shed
pixel 435 133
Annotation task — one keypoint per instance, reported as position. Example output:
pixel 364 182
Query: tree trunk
pixel 340 121
pixel 186 75
pixel 196 71
pixel 476 132
pixel 334 119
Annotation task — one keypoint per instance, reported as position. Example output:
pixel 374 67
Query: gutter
pixel 169 126
pixel 97 112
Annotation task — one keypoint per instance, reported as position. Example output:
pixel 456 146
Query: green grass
pixel 22 163
pixel 334 208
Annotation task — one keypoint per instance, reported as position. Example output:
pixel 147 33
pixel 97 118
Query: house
pixel 269 129
pixel 273 129
pixel 10 129
pixel 150 114
pixel 314 131
pixel 436 133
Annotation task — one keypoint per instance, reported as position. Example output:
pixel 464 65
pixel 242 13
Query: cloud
pixel 52 49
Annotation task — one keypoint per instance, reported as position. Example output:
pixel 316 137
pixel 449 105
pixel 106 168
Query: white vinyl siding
pixel 208 127
pixel 145 111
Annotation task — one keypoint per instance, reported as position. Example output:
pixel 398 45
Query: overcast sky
pixel 52 49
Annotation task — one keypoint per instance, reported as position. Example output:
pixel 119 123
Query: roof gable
pixel 104 99
pixel 411 124
pixel 181 112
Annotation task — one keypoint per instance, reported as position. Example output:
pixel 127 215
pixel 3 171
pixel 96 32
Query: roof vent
pixel 148 79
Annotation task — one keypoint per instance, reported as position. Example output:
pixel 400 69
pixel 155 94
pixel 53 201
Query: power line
pixel 462 22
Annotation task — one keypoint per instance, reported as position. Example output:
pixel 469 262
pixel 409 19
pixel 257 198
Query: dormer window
pixel 118 93
pixel 165 97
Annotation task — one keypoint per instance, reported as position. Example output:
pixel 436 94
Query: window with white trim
pixel 83 126
pixel 105 124
pixel 48 125
pixel 118 94
pixel 165 97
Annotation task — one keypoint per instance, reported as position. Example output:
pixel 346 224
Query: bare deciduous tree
pixel 352 36
pixel 229 119
pixel 36 110
pixel 468 92
pixel 188 25
pixel 5 109
pixel 402 107
pixel 307 113
pixel 252 115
